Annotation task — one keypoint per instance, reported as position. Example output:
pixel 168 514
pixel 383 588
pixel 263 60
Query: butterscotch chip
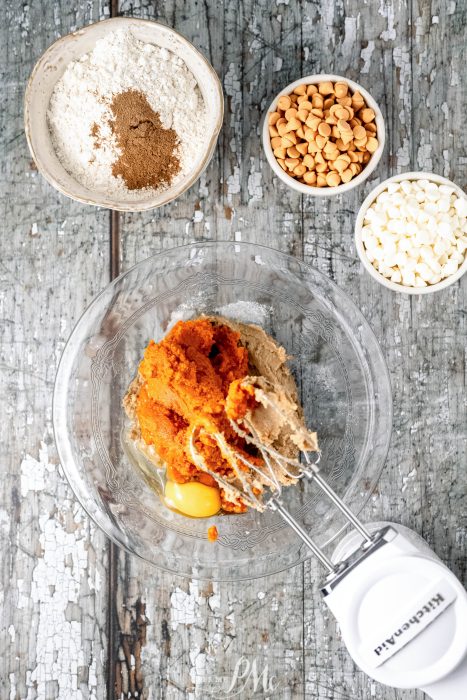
pixel 300 90
pixel 300 133
pixel 290 113
pixel 273 117
pixel 309 161
pixel 276 142
pixel 292 152
pixel 273 131
pixel 333 179
pixel 306 105
pixel 340 165
pixel 346 175
pixel 326 88
pixel 347 137
pixel 302 148
pixel 342 113
pixel 282 128
pixel 313 122
pixel 311 90
pixel 336 134
pixel 292 125
pixel 366 115
pixel 328 102
pixel 291 163
pixel 372 145
pixel 284 102
pixel 321 167
pixel 317 101
pixel 359 132
pixel 299 170
pixel 302 114
pixel 360 143
pixel 324 129
pixel 282 163
pixel 280 152
pixel 343 126
pixel 321 180
pixel 289 139
pixel 366 157
pixel 341 89
pixel 321 141
pixel 309 178
pixel 317 112
pixel 371 127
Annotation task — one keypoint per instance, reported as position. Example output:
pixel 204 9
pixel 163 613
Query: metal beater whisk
pixel 274 466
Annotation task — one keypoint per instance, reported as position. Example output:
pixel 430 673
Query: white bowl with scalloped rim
pixel 50 68
pixel 447 281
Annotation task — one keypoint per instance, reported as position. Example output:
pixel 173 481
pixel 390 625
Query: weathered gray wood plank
pixel 274 45
pixel 405 60
pixel 198 634
pixel 53 261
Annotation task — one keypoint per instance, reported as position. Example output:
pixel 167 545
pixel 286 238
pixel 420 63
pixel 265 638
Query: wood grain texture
pixel 54 259
pixel 257 48
pixel 178 639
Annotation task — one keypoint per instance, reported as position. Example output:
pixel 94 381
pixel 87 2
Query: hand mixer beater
pixel 401 611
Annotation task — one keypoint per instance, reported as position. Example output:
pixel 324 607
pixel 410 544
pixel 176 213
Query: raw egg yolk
pixel 193 498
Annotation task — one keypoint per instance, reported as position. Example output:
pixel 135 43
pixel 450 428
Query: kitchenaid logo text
pixel 416 619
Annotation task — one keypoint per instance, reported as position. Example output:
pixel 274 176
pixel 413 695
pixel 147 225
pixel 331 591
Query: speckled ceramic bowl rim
pixel 361 249
pixel 128 206
pixel 325 191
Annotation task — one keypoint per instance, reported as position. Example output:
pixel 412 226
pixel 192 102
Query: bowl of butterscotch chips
pixel 323 134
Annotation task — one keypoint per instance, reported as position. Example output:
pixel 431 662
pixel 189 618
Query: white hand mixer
pixel 402 613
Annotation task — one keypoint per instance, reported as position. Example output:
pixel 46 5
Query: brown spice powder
pixel 148 156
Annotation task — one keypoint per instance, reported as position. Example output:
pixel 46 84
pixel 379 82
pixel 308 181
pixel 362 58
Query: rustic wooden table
pixel 81 619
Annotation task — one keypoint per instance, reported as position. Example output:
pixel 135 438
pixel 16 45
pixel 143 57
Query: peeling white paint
pixel 198 216
pixel 12 633
pixel 277 64
pixel 233 182
pixel 255 189
pixel 454 81
pixel 424 154
pixel 182 606
pixel 387 10
pixel 403 155
pixel 366 55
pixel 57 581
pixel 33 471
pixel 350 35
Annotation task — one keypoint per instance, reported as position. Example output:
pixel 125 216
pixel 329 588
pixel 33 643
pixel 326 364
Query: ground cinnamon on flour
pixel 148 151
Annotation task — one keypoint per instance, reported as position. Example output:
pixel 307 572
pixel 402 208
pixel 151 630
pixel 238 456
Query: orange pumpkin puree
pixel 185 381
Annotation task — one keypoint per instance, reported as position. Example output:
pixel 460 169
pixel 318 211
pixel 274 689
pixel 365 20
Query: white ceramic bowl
pixel 324 191
pixel 51 66
pixel 361 248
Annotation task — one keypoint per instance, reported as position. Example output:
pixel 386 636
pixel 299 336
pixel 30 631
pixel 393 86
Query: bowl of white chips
pixel 411 233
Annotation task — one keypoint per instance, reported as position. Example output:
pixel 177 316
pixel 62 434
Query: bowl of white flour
pixel 123 114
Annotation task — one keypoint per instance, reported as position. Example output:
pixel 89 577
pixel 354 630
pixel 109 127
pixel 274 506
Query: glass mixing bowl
pixel 334 356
